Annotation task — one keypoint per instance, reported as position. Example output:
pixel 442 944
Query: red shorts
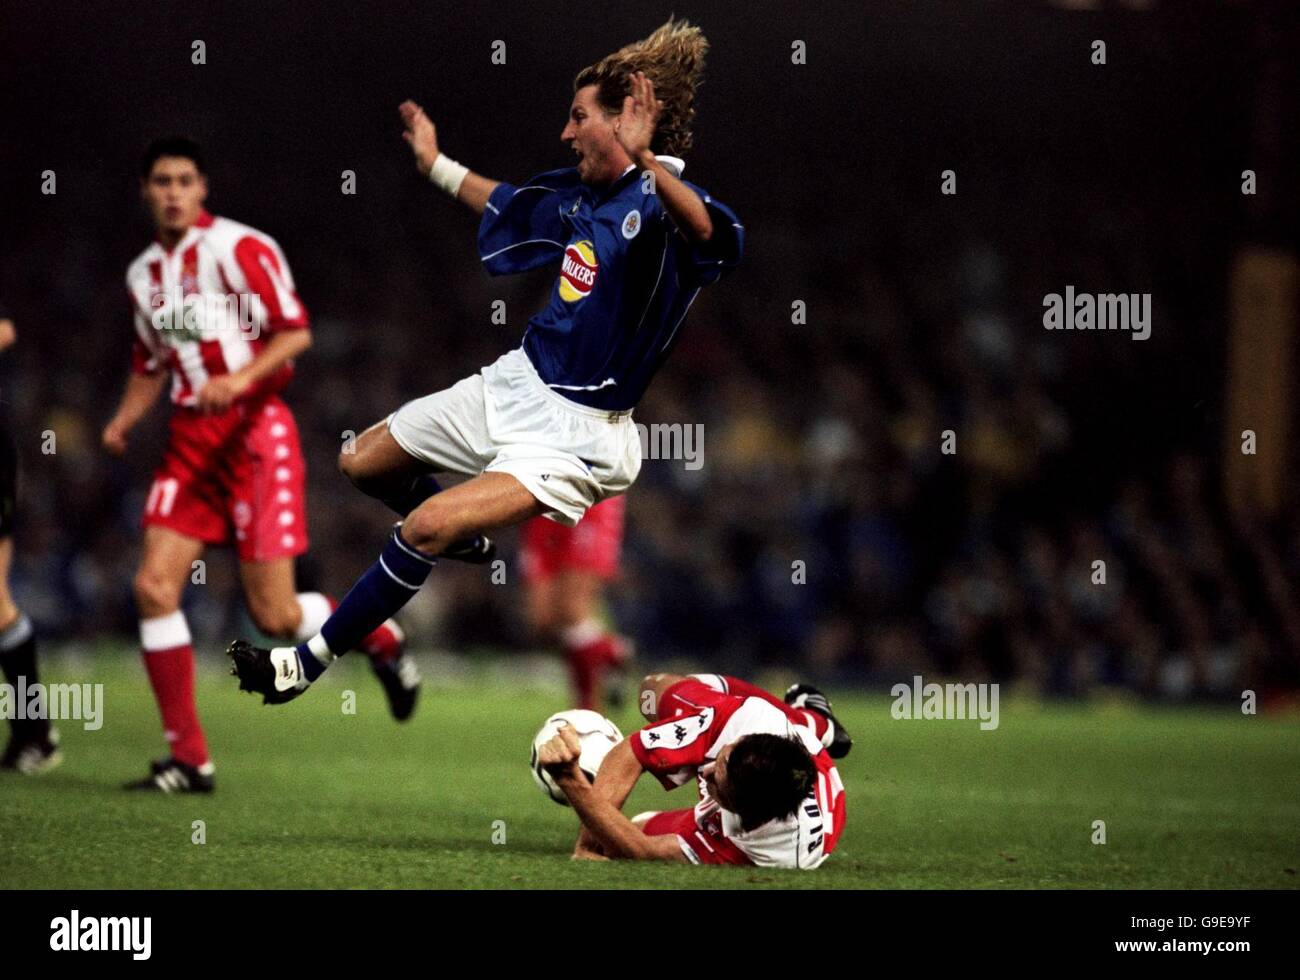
pixel 680 822
pixel 547 548
pixel 708 848
pixel 238 476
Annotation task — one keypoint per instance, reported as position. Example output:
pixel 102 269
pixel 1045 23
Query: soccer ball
pixel 596 734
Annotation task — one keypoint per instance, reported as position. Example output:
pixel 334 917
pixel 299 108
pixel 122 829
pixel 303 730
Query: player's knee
pixel 350 465
pixel 652 689
pixel 431 529
pixel 362 475
pixel 155 593
pixel 274 618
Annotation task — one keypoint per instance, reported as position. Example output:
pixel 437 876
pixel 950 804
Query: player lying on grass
pixel 769 793
pixel 546 429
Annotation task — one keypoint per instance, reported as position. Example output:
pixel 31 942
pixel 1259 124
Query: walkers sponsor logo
pixel 53 702
pixel 1098 311
pixel 133 934
pixel 203 316
pixel 578 271
pixel 945 702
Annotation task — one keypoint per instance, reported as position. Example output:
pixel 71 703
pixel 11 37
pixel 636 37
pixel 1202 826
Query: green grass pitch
pixel 308 796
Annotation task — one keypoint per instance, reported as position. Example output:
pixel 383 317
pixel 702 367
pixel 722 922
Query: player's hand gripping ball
pixel 578 737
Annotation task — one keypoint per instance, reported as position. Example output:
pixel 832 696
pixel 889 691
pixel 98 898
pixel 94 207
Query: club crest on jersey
pixel 631 224
pixel 677 733
pixel 578 271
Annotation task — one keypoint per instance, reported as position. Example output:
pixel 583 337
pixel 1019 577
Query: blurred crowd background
pixel 827 531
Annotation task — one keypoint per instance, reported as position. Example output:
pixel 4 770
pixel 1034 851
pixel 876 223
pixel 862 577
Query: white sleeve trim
pixel 531 241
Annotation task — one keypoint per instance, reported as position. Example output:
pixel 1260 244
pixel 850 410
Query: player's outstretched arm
pixel 617 836
pixel 614 782
pixel 142 391
pixel 421 135
pixel 634 130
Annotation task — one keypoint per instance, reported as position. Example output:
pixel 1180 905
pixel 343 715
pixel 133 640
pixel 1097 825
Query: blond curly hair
pixel 673 59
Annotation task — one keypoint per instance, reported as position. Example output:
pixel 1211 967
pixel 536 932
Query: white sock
pixel 16 633
pixel 315 610
pixel 581 634
pixel 164 632
pixel 321 650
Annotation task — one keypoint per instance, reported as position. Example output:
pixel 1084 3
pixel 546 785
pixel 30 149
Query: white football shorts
pixel 506 420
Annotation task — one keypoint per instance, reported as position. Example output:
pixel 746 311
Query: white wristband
pixel 447 174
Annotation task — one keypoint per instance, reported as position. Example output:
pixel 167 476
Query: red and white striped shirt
pixel 209 305
pixel 675 749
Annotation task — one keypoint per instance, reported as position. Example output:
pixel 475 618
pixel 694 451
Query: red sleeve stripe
pixel 265 277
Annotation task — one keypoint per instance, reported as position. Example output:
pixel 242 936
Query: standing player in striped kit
pixel 546 430
pixel 215 308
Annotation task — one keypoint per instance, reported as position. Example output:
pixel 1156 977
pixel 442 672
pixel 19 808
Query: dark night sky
pixel 294 93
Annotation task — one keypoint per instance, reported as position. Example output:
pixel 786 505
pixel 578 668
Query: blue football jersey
pixel 627 277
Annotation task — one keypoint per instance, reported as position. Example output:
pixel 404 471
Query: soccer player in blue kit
pixel 547 428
